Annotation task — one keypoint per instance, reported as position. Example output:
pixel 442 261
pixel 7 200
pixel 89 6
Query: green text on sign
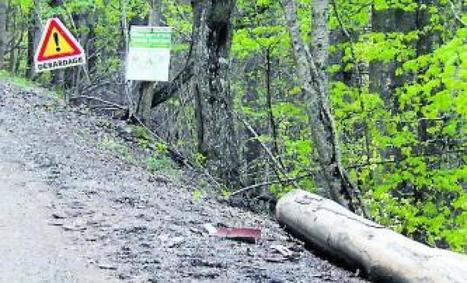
pixel 146 39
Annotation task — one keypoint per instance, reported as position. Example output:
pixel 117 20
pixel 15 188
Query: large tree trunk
pixel 383 255
pixel 3 35
pixel 312 71
pixel 212 34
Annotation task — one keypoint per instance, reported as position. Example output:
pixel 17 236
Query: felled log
pixel 382 254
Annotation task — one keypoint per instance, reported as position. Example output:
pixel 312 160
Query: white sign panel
pixel 149 53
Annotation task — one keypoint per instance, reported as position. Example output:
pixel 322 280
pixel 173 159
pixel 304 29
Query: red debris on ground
pixel 246 234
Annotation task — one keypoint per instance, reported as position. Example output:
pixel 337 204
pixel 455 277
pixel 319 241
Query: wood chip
pixel 210 228
pixel 283 250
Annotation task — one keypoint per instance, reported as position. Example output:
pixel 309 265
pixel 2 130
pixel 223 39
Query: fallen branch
pixel 384 255
pixel 251 187
pixel 179 156
pixel 121 107
pixel 456 14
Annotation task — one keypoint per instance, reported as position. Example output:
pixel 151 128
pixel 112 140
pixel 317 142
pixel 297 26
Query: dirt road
pixel 30 249
pixel 74 210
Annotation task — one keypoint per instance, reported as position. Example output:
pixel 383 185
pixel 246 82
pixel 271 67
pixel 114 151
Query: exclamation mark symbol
pixel 57 48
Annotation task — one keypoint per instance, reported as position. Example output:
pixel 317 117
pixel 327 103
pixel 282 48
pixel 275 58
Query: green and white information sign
pixel 148 56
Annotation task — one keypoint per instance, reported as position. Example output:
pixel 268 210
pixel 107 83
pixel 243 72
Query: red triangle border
pixel 71 41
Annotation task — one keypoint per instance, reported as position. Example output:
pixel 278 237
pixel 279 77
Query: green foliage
pixel 18 81
pixel 405 149
pixel 114 146
pixel 196 195
pixel 433 208
pixel 159 162
pixel 410 159
pixel 405 5
pixel 200 159
pixel 143 136
pixel 259 33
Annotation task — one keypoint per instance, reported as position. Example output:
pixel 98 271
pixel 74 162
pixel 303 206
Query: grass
pixel 114 146
pixel 141 133
pixel 160 162
pixel 197 195
pixel 27 85
pixel 16 80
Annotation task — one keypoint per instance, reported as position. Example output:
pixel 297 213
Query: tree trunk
pixel 384 255
pixel 58 76
pixel 3 35
pixel 312 71
pixel 212 35
pixel 425 44
pixel 34 32
pixel 272 121
pixel 147 88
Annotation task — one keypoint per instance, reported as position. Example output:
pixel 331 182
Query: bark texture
pixel 311 70
pixel 383 254
pixel 3 35
pixel 212 35
pixel 147 88
pixel 34 33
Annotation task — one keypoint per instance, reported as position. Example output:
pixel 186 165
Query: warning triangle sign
pixel 58 48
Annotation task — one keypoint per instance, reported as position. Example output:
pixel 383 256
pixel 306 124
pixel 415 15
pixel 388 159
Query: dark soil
pixel 106 217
